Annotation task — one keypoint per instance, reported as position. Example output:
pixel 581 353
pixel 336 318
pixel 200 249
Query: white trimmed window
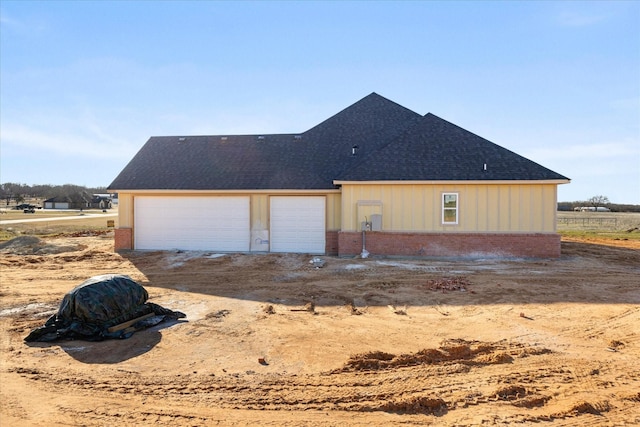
pixel 449 208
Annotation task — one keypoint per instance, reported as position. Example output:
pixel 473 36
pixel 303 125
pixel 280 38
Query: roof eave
pixel 216 191
pixel 457 182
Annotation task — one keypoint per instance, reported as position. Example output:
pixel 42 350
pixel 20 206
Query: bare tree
pixel 597 201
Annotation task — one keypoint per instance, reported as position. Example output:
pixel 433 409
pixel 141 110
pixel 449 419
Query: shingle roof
pixel 365 126
pixel 309 160
pixel 233 162
pixel 436 150
pixel 81 197
pixel 393 143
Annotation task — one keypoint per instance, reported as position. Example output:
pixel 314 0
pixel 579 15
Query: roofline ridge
pixel 373 95
pixel 494 144
pixel 363 159
pixel 227 135
pixel 468 131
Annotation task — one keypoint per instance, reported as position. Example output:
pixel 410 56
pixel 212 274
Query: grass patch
pixel 6 235
pixel 47 213
pixel 601 234
pixel 74 226
pixel 599 225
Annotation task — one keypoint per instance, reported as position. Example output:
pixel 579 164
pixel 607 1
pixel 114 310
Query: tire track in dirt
pixel 457 375
pixel 463 382
pixel 613 331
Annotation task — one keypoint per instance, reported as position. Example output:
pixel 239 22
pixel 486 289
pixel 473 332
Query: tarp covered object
pixel 98 309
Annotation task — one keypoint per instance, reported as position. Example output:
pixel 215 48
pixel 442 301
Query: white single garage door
pixel 192 223
pixel 297 224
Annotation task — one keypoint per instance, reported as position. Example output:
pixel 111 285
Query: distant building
pixel 591 209
pixel 101 201
pixel 75 201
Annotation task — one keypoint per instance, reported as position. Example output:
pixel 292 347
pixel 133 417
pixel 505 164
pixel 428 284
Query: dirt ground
pixel 271 339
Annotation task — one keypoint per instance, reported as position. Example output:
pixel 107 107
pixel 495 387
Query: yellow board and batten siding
pixel 334 211
pixel 125 210
pixel 260 210
pixel 259 206
pixel 414 207
pixel 486 207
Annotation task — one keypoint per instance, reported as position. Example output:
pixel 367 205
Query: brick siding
pixel 123 239
pixel 331 243
pixel 528 245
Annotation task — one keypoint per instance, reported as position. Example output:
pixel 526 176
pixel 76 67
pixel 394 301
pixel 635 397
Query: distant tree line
pixel 18 193
pixel 597 202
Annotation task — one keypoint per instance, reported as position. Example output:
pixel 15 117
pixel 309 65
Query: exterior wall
pixel 58 205
pixel 332 243
pixel 334 211
pixel 259 212
pixel 125 211
pixel 485 207
pixel 123 239
pixel 67 204
pixel 494 219
pixel 528 245
pixel 259 215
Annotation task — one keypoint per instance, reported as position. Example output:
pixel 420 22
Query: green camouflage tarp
pixel 99 303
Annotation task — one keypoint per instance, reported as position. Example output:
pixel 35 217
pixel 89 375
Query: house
pixel 74 201
pixel 592 209
pixel 101 201
pixel 418 186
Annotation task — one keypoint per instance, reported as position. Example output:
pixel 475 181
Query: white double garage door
pixel 296 223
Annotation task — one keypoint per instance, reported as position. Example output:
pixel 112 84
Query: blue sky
pixel 84 84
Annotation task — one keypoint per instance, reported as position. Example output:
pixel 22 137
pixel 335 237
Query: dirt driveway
pixel 271 339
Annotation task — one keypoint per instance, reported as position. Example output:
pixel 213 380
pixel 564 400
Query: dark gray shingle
pixel 434 149
pixel 394 143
